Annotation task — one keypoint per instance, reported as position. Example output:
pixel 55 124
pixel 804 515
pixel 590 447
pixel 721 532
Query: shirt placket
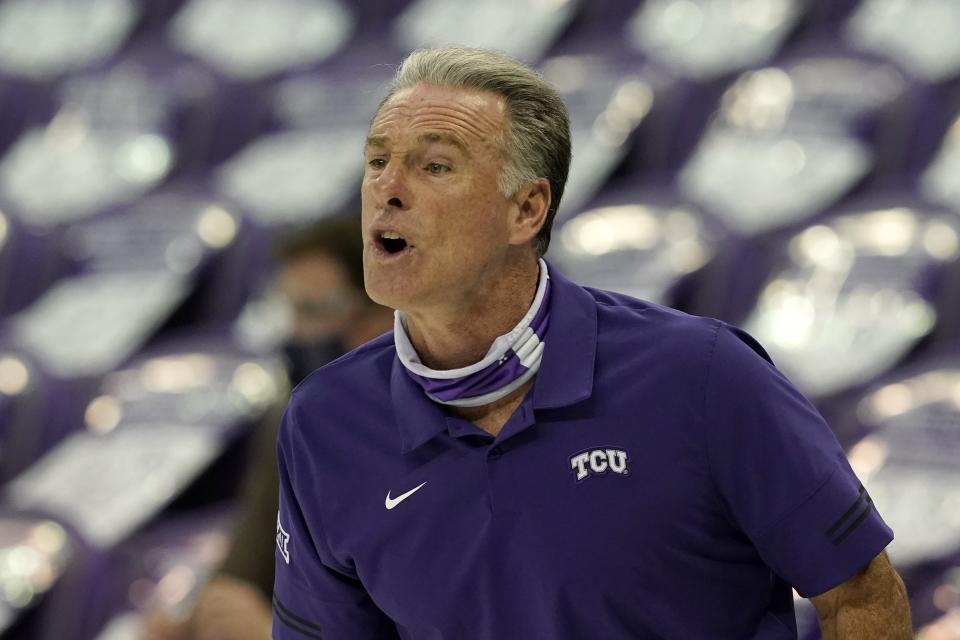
pixel 501 462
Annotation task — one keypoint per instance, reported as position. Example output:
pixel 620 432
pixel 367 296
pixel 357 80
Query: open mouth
pixel 392 242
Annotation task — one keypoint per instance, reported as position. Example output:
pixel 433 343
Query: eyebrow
pixel 445 138
pixel 378 140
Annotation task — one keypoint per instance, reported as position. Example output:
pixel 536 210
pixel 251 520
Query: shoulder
pixel 348 380
pixel 674 340
pixel 626 323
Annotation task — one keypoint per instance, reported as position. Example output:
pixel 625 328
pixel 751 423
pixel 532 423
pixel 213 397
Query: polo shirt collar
pixel 566 371
pixel 418 417
pixel 565 376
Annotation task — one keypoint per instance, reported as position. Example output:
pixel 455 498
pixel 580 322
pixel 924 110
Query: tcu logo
pixel 599 461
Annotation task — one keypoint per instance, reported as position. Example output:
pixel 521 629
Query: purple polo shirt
pixel 661 480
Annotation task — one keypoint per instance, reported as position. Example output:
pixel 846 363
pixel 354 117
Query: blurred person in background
pixel 320 273
pixel 527 458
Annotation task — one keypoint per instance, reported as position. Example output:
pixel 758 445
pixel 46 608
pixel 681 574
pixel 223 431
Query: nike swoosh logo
pixel 390 503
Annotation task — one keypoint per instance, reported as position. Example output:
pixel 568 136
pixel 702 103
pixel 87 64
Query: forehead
pixel 469 115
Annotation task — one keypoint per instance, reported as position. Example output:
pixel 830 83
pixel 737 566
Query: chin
pixel 387 292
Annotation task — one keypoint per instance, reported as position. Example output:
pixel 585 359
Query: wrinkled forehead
pixel 471 115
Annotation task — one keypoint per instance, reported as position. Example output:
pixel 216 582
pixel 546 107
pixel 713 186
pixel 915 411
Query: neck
pixel 460 334
pixel 371 321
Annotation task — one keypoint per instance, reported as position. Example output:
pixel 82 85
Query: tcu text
pixel 599 461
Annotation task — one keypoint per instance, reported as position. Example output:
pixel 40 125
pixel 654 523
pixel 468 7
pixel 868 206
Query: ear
pixel 531 204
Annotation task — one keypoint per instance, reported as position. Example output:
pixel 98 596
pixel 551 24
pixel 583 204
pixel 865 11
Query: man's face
pixel 320 295
pixel 434 221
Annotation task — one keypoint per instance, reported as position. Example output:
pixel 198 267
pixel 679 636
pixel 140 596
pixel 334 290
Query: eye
pixel 436 168
pixel 376 163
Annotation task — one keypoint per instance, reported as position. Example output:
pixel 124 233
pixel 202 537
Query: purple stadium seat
pixel 151 429
pixel 87 324
pixel 590 63
pixel 250 41
pixel 43 39
pixel 23 103
pixel 119 131
pixel 636 242
pixel 790 140
pixel 29 262
pixel 334 98
pixel 151 150
pixel 858 290
pixel 827 15
pixel 935 605
pixel 318 119
pixel 40 555
pixel 138 267
pixel 614 107
pixel 317 125
pixel 904 435
pixel 523 29
pixel 202 379
pixel 109 484
pixel 175 229
pixel 275 179
pixel 597 27
pixel 939 182
pixel 148 431
pixel 245 47
pixel 706 39
pixel 904 432
pixel 186 232
pixel 39 408
pixel 908 459
pixel 919 35
pixel 314 125
pixel 151 89
pixel 68 171
pixel 321 125
pixel 164 566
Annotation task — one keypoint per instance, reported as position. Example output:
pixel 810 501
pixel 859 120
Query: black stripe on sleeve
pixel 839 523
pixel 302 631
pixel 856 523
pixel 295 622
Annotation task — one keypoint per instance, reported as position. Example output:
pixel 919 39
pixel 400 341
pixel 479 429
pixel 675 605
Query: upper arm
pixel 313 595
pixel 782 473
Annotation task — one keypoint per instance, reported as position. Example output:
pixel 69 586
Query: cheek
pixel 473 235
pixel 365 200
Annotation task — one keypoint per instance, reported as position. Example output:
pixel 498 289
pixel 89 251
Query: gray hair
pixel 536 143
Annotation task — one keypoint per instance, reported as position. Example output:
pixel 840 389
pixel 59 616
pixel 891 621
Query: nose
pixel 391 186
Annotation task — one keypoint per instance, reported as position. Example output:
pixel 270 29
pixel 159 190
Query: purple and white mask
pixel 512 360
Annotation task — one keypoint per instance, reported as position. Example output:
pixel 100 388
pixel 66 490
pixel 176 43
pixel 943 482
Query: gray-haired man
pixel 526 458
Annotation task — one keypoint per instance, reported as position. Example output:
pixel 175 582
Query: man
pixel 525 458
pixel 320 273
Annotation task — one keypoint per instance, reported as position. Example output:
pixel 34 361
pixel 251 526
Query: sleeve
pixel 312 599
pixel 782 473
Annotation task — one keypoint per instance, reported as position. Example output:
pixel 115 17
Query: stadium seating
pixel 789 166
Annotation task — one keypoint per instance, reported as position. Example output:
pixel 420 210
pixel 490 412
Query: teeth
pixel 390 235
